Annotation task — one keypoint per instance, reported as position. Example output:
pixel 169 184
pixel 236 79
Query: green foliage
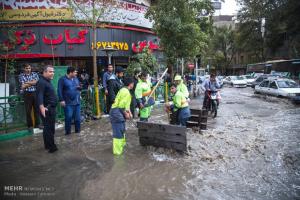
pixel 9 32
pixel 144 61
pixel 12 44
pixel 222 48
pixel 11 67
pixel 177 24
pixel 282 27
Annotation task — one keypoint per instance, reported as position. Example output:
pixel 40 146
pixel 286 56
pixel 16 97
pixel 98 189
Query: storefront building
pixel 45 34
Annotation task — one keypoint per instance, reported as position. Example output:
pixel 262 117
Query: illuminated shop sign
pixel 72 41
pixel 122 46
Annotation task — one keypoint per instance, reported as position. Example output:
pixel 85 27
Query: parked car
pixel 279 87
pixel 260 79
pixel 249 79
pixel 220 80
pixel 235 81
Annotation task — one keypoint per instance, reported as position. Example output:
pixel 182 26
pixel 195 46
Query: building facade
pixel 47 32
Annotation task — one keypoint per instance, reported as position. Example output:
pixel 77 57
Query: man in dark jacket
pixel 114 84
pixel 69 97
pixel 133 100
pixel 106 76
pixel 47 102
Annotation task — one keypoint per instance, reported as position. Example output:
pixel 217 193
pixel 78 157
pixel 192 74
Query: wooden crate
pixel 162 135
pixel 198 119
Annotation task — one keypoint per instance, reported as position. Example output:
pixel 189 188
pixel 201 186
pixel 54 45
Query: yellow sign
pixel 123 46
pixel 35 14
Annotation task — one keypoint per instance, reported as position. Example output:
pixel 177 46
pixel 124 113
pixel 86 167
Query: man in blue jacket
pixel 69 97
pixel 106 76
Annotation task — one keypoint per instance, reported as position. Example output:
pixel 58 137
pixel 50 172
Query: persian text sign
pixel 122 12
pixel 123 46
pixel 35 14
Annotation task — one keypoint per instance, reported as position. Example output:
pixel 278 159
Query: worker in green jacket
pixel 120 111
pixel 181 86
pixel 142 92
pixel 179 106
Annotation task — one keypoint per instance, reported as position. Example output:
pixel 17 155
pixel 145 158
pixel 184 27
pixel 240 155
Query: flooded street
pixel 250 151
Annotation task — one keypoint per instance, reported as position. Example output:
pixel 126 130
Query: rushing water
pixel 250 151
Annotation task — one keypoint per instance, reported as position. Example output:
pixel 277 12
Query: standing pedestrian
pixel 133 99
pixel 106 76
pixel 68 91
pixel 28 80
pixel 114 84
pixel 47 102
pixel 120 111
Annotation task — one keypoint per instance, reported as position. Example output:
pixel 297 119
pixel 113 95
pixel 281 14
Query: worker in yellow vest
pixel 142 92
pixel 120 111
pixel 179 106
pixel 181 86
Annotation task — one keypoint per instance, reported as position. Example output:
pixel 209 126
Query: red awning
pixel 28 55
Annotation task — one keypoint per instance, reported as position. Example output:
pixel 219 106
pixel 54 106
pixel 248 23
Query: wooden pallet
pixel 198 119
pixel 162 135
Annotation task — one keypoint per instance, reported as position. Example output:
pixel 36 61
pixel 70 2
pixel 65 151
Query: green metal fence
pixel 12 113
pixel 88 106
pixel 12 109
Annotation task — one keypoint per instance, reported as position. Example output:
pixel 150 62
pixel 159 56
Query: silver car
pixel 279 87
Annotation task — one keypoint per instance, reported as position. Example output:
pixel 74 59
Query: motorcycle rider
pixel 210 84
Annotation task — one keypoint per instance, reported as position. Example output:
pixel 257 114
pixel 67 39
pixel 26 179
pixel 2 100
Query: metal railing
pixel 13 115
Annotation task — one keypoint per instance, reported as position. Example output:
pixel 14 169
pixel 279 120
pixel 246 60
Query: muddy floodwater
pixel 250 151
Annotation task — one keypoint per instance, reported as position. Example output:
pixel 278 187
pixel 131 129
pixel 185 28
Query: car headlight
pixel 291 95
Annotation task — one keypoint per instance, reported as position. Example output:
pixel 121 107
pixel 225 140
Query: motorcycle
pixel 212 103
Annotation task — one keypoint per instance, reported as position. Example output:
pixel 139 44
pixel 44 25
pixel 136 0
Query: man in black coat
pixel 47 101
pixel 133 100
pixel 114 84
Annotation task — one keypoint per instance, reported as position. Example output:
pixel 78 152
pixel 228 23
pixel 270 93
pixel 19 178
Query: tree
pixel 8 46
pixel 285 26
pixel 281 24
pixel 224 47
pixel 177 24
pixel 250 19
pixel 92 12
pixel 144 61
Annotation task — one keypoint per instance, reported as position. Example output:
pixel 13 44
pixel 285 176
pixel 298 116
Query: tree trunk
pixel 98 111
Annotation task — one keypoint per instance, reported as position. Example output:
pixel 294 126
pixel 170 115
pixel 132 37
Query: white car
pixel 249 79
pixel 280 88
pixel 235 81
